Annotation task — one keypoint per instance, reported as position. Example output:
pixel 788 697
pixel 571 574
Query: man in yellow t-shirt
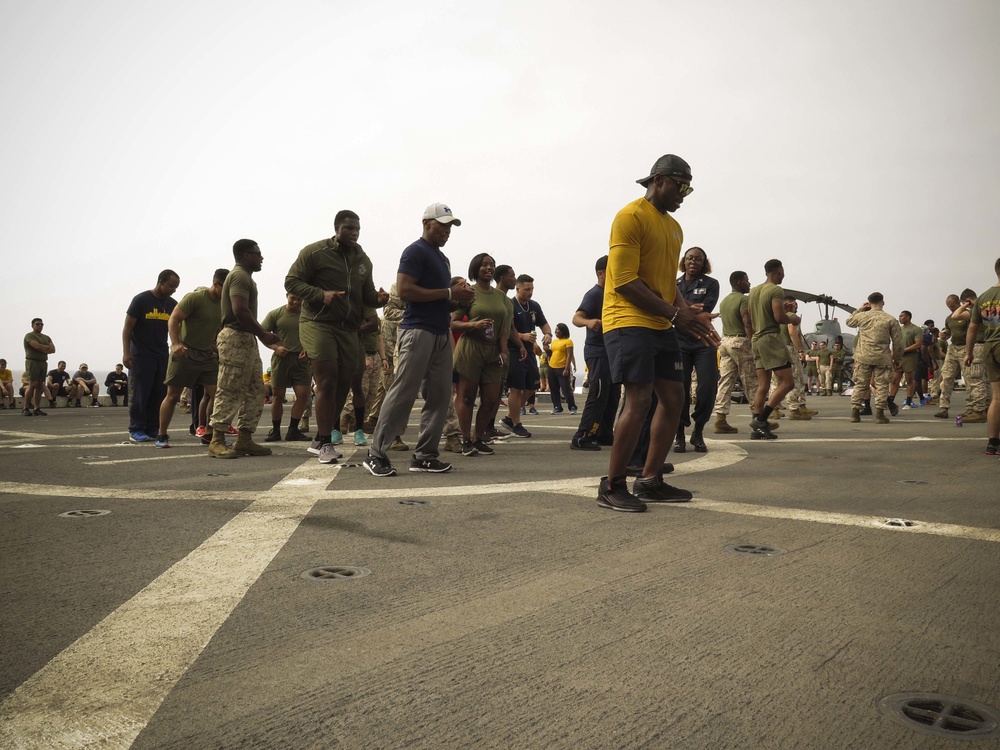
pixel 6 386
pixel 641 308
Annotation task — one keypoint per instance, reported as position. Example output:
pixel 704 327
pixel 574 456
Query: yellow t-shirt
pixel 6 376
pixel 646 245
pixel 560 353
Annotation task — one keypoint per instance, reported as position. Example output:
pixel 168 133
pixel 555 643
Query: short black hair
pixel 36 320
pixel 772 265
pixel 243 246
pixel 525 279
pixel 737 276
pixel 907 313
pixel 968 294
pixel 343 216
pixel 219 277
pixel 929 323
pixel 601 264
pixel 876 297
pixel 165 274
pixel 477 263
pixel 502 271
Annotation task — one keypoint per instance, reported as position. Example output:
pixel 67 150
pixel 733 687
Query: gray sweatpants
pixel 424 359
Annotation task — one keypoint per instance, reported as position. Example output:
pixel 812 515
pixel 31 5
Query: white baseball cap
pixel 440 212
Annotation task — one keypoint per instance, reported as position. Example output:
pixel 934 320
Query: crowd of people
pixel 657 369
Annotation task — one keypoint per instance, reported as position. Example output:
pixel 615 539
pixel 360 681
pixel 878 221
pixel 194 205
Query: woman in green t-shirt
pixel 484 326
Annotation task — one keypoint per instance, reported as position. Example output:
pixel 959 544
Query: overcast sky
pixel 857 141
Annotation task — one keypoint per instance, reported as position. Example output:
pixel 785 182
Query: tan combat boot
pixel 942 413
pixel 722 427
pixel 880 417
pixel 974 417
pixel 398 445
pixel 218 448
pixel 453 444
pixel 808 411
pixel 798 415
pixel 855 414
pixel 245 446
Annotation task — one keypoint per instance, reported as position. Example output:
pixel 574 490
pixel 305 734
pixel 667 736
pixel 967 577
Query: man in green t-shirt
pixel 767 315
pixel 735 351
pixel 194 361
pixel 37 348
pixel 240 392
pixel 289 367
pixel 912 336
pixel 984 336
pixel 824 359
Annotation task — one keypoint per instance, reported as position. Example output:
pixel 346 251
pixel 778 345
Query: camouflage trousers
pixel 863 375
pixel 934 384
pixel 977 390
pixel 797 396
pixel 735 358
pixel 451 426
pixel 369 387
pixel 385 380
pixel 239 399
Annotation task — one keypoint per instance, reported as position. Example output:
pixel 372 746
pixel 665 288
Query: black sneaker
pixel 273 436
pixel 296 436
pixel 866 411
pixel 429 465
pixel 633 470
pixel 761 431
pixel 584 444
pixel 469 448
pixel 494 434
pixel 508 423
pixel 483 448
pixel 520 432
pixel 655 490
pixel 39 413
pixel 618 498
pixel 378 467
pixel 991 449
pixel 27 412
pixel 893 409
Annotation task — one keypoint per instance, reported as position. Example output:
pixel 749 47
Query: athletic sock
pixel 359 419
pixel 892 399
pixel 293 423
pixel 617 481
pixel 765 413
pixel 276 424
pixel 322 439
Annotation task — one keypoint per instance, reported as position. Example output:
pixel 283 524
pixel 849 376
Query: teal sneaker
pixel 359 437
pixel 336 437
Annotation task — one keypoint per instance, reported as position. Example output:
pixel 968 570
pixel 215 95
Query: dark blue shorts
pixel 522 375
pixel 642 355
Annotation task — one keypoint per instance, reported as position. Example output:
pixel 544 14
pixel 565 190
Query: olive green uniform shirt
pixel 239 283
pixel 329 266
pixel 730 310
pixel 761 312
pixel 285 323
pixel 31 352
pixel 203 321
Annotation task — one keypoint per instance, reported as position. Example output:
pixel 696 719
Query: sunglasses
pixel 683 188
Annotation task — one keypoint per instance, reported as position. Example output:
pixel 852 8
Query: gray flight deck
pixel 497 606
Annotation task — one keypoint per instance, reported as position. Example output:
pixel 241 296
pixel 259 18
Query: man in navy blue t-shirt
pixel 522 377
pixel 597 422
pixel 145 354
pixel 424 344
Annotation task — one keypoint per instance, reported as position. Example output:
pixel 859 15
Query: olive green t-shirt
pixel 203 321
pixel 761 313
pixel 730 310
pixel 986 312
pixel 824 356
pixel 285 323
pixel 490 304
pixel 31 352
pixel 957 330
pixel 239 283
pixel 911 335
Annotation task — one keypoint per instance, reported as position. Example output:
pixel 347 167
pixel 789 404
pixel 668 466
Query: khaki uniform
pixel 392 316
pixel 877 332
pixel 796 398
pixel 735 353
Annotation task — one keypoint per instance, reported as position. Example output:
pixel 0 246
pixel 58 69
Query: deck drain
pixel 754 549
pixel 897 523
pixel 413 502
pixel 913 481
pixel 942 715
pixel 84 513
pixel 334 573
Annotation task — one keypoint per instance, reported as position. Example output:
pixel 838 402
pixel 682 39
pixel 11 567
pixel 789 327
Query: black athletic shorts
pixel 642 355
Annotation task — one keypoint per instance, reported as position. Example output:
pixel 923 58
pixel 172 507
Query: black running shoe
pixel 991 449
pixel 893 409
pixel 469 448
pixel 618 498
pixel 584 444
pixel 520 432
pixel 39 413
pixel 483 448
pixel 655 490
pixel 761 431
pixel 429 465
pixel 273 436
pixel 378 467
pixel 296 436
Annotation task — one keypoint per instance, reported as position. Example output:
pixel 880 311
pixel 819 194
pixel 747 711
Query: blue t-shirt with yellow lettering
pixel 149 336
